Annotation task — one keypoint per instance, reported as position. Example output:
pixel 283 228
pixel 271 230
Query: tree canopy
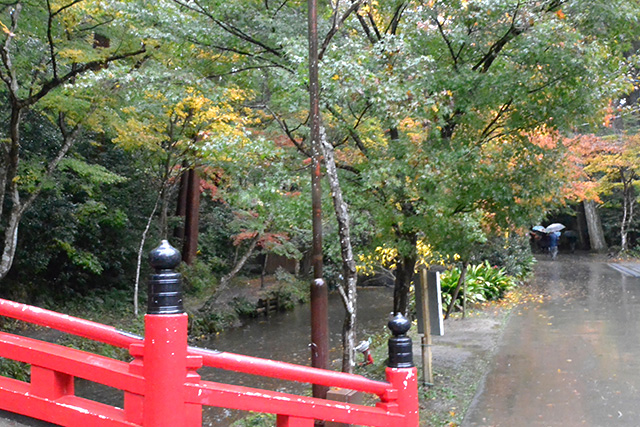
pixel 447 119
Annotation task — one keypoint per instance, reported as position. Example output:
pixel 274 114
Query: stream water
pixel 284 337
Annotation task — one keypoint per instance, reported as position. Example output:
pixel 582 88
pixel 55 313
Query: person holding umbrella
pixel 553 243
pixel 553 231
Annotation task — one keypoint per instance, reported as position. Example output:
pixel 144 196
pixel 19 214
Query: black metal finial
pixel 165 285
pixel 400 345
pixel 164 257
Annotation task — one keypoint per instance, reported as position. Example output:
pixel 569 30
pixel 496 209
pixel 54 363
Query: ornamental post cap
pixel 399 325
pixel 164 257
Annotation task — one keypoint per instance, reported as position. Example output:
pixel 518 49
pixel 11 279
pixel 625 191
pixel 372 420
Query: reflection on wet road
pixel 572 358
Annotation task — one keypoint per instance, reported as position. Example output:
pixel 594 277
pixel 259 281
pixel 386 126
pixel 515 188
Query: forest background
pixel 449 129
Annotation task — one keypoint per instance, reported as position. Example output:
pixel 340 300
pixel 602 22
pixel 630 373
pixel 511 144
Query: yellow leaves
pixel 371 10
pixel 387 257
pixel 6 30
pixel 74 55
pixel 408 123
pixel 185 120
pixel 383 256
pixel 135 133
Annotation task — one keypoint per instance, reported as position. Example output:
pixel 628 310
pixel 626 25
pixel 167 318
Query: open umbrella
pixel 556 226
pixel 537 228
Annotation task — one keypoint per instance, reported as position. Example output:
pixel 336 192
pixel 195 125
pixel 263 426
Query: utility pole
pixel 319 293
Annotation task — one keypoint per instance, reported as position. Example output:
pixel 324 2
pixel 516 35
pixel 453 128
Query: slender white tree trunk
pixel 628 204
pixel 143 239
pixel 347 289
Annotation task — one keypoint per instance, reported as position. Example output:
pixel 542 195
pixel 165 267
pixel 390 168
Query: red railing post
pixel 402 374
pixel 165 344
pixel 50 384
pixel 134 403
pixel 288 421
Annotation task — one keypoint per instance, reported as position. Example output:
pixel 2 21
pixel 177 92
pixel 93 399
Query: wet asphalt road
pixel 572 357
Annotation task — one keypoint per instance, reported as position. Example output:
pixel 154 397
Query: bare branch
pixel 352 132
pixel 289 133
pixel 241 70
pixel 454 57
pixel 76 71
pixel 392 28
pixel 495 49
pixel 337 24
pixel 366 29
pixel 52 53
pixel 63 8
pixel 503 109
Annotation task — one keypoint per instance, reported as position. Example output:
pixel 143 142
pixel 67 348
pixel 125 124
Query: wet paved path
pixel 572 358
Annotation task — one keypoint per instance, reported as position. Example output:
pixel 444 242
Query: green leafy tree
pixel 444 102
pixel 57 59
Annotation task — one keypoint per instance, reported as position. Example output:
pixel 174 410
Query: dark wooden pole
pixel 181 208
pixel 319 293
pixel 192 217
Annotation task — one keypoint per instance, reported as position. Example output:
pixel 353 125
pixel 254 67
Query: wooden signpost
pixel 429 313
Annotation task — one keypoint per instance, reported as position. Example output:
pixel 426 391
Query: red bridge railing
pixel 161 385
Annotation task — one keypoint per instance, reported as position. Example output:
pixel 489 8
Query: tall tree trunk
pixel 347 288
pixel 596 235
pixel 192 216
pixel 404 276
pixel 10 221
pixel 143 239
pixel 319 292
pixel 263 273
pixel 181 207
pixel 628 202
pixel 456 291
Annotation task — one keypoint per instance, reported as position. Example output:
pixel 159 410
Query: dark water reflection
pixel 284 337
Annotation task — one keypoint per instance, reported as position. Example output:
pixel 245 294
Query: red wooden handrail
pixel 113 373
pixel 211 358
pixel 289 371
pixel 50 394
pixel 92 367
pixel 69 324
pixel 161 385
pixel 250 399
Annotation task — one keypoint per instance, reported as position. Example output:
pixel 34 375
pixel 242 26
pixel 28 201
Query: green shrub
pixel 289 290
pixel 484 282
pixel 197 278
pixel 243 307
pixel 210 323
pixel 512 252
pixel 16 370
pixel 256 420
